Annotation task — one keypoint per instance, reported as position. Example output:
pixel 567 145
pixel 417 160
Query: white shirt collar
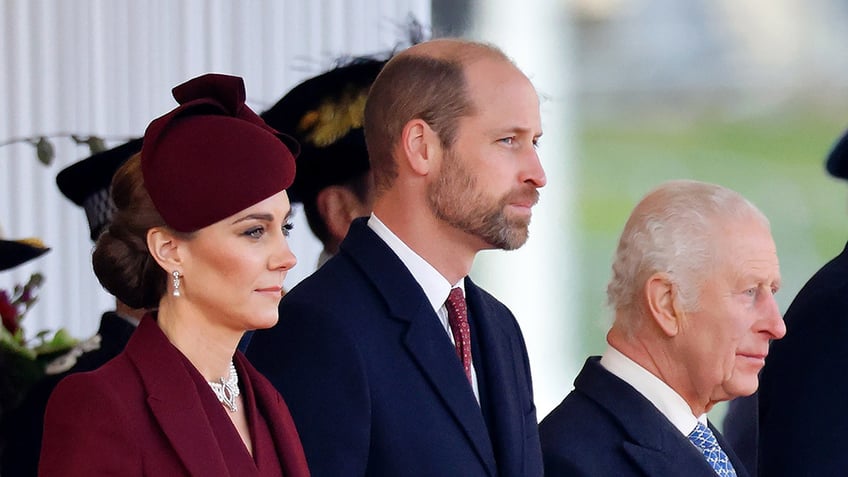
pixel 435 286
pixel 655 390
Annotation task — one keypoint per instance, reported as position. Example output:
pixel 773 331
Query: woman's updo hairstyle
pixel 121 260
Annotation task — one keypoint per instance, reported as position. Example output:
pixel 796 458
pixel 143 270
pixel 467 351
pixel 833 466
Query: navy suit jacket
pixel 803 396
pixel 605 428
pixel 373 381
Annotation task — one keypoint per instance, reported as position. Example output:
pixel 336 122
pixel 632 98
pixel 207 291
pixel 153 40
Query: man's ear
pixel 164 247
pixel 660 298
pixel 338 206
pixel 420 144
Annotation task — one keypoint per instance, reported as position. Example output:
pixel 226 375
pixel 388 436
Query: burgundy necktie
pixel 458 320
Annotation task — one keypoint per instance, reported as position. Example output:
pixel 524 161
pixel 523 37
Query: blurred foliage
pixel 23 359
pixel 45 152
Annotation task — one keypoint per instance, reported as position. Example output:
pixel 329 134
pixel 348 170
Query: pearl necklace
pixel 227 390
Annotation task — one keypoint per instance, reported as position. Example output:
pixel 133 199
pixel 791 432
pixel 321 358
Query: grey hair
pixel 672 230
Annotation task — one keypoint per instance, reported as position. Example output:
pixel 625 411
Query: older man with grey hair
pixel 692 289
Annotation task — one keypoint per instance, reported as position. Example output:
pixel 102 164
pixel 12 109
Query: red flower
pixel 9 313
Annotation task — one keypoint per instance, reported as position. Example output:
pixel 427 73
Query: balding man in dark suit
pixel 692 289
pixel 386 368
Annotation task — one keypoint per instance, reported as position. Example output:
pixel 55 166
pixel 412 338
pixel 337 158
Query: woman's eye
pixel 255 232
pixel 507 140
pixel 287 228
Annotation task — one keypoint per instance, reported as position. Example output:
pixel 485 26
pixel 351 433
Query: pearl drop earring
pixel 176 275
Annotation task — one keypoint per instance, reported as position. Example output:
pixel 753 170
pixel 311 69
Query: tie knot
pixel 705 440
pixel 457 310
pixel 703 437
pixel 456 299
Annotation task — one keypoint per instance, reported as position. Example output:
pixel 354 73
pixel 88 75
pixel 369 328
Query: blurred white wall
pixel 106 68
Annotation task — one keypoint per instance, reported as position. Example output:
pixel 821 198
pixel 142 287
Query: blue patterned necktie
pixel 705 441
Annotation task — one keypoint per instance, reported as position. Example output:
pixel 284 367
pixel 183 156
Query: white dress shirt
pixel 665 399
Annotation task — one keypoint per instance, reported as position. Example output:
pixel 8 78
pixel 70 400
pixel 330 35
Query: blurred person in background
pixel 392 360
pixel 200 235
pixel 803 411
pixel 333 176
pixel 693 286
pixel 333 179
pixel 86 183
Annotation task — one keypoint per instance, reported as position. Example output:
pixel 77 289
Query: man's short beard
pixel 455 199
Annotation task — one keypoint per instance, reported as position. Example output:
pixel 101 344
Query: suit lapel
pixel 435 357
pixel 652 441
pixel 656 462
pixel 425 339
pixel 173 400
pixel 741 470
pixel 282 428
pixel 495 362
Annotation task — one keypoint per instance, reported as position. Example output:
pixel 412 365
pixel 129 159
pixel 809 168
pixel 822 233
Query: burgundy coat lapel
pixel 173 400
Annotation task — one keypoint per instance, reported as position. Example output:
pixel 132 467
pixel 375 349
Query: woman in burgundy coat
pixel 199 233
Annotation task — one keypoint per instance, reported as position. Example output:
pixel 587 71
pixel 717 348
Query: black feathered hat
pixel 87 183
pixel 16 252
pixel 325 115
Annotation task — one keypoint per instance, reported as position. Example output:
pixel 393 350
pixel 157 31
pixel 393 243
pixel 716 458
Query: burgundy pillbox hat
pixel 212 156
